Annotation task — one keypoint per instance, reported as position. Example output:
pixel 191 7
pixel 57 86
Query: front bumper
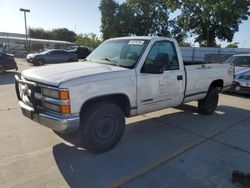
pixel 57 122
pixel 240 87
pixel 30 60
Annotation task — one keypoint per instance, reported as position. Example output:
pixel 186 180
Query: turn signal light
pixel 64 95
pixel 65 109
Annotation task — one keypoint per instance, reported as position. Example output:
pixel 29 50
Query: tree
pixel 208 20
pixel 40 33
pixel 179 30
pixel 63 34
pixel 108 10
pixel 124 21
pixel 55 34
pixel 136 17
pixel 151 17
pixel 89 40
pixel 232 45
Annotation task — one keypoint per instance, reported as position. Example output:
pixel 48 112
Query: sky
pixel 81 16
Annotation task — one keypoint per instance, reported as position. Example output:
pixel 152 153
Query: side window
pixel 163 53
pixel 58 52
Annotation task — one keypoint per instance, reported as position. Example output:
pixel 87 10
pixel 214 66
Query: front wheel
pixel 101 126
pixel 39 62
pixel 209 104
pixel 70 60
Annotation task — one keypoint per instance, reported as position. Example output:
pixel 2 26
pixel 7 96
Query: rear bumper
pixel 58 123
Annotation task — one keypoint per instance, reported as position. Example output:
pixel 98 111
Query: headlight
pixel 52 107
pixel 50 93
pixel 64 109
pixel 57 100
pixel 57 94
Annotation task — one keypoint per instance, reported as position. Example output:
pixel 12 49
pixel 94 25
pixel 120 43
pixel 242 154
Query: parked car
pixel 51 56
pixel 123 77
pixel 242 72
pixel 7 62
pixel 81 51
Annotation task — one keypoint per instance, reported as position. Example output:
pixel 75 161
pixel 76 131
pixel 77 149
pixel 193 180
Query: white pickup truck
pixel 123 77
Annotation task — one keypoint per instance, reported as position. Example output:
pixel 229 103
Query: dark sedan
pixel 81 51
pixel 7 62
pixel 51 56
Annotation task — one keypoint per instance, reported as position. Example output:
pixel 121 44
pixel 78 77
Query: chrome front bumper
pixel 58 123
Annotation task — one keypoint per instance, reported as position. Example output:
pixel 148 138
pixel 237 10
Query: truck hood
pixel 54 75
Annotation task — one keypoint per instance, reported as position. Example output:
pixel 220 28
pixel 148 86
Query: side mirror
pixel 152 69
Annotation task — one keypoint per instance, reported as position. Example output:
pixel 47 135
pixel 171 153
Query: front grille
pixel 28 95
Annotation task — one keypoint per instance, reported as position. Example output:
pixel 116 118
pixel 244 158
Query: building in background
pixel 210 54
pixel 15 43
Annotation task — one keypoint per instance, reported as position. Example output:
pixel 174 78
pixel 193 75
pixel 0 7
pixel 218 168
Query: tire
pixel 209 104
pixel 70 60
pixel 39 62
pixel 101 127
pixel 2 69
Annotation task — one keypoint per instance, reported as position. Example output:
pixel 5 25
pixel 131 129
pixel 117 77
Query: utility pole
pixel 25 22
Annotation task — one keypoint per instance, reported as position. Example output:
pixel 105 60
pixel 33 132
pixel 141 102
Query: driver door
pixel 160 90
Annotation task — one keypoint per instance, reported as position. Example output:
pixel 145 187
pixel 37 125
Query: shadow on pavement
pixel 143 143
pixel 8 77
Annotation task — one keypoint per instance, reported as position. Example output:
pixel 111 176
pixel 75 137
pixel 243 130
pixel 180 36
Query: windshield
pixel 241 61
pixel 122 52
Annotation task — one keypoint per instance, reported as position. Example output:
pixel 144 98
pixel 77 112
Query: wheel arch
pixel 120 99
pixel 218 84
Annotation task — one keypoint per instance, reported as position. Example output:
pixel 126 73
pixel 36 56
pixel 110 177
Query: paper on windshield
pixel 136 42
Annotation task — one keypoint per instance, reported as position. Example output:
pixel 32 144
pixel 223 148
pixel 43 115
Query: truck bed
pixel 198 77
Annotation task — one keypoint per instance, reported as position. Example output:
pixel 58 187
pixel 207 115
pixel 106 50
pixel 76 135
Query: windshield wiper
pixel 111 62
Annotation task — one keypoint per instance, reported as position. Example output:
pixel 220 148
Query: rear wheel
pixel 2 69
pixel 101 126
pixel 209 104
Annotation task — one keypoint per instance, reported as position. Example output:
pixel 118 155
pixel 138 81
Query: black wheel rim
pixel 105 128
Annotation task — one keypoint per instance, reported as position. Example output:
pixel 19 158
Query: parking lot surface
pixel 176 147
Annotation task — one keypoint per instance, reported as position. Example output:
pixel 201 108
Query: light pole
pixel 26 33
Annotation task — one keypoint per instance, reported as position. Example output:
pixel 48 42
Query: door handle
pixel 179 77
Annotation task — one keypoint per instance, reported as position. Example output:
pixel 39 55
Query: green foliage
pixel 136 17
pixel 205 20
pixel 90 40
pixel 208 20
pixel 108 10
pixel 55 34
pixel 64 34
pixel 40 33
pixel 232 45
